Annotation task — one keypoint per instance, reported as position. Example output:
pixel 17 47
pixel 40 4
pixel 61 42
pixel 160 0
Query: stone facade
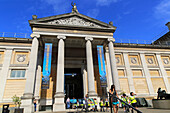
pixel 133 67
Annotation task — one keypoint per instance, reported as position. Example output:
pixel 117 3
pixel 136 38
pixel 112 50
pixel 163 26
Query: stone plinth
pixel 161 104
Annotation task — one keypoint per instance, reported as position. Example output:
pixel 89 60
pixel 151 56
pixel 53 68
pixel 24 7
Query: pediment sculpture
pixel 76 21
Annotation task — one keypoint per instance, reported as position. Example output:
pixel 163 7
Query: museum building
pixel 65 47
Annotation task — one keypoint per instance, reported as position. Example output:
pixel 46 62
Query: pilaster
pixel 147 74
pixel 163 72
pixel 129 72
pixel 38 80
pixel 84 73
pixel 4 72
pixel 109 73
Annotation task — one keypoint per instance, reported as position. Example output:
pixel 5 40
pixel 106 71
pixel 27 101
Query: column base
pixel 92 94
pixel 59 105
pixel 27 102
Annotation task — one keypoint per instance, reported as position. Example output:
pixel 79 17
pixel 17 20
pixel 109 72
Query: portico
pixel 74 38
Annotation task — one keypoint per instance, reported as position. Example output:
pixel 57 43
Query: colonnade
pixel 59 94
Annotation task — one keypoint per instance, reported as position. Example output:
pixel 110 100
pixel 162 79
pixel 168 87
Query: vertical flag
pixel 101 63
pixel 46 65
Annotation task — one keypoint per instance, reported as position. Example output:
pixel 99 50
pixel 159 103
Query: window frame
pixel 10 71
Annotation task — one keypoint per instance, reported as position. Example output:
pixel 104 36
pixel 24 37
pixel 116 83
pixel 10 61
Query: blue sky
pixel 134 19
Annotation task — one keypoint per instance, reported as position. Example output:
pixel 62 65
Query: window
pixel 17 73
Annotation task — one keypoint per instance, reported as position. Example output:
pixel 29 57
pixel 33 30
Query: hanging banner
pixel 101 63
pixel 47 66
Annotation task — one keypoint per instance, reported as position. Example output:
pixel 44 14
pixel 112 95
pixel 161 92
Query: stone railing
pixel 14 35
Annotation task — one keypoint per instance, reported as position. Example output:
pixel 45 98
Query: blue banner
pixel 47 65
pixel 101 63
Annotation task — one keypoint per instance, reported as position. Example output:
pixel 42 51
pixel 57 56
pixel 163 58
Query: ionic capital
pixel 111 40
pixel 158 53
pixel 33 35
pixel 141 52
pixel 61 37
pixel 88 38
pixel 106 50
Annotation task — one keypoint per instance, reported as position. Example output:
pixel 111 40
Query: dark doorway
pixel 73 86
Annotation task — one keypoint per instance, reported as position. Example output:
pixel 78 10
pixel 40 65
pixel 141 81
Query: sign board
pixel 47 65
pixel 101 63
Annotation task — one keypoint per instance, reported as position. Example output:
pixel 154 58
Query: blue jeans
pixel 35 106
pixel 68 105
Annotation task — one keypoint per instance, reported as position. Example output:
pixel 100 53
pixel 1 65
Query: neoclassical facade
pixel 141 68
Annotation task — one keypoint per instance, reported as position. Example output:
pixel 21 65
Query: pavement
pixel 144 110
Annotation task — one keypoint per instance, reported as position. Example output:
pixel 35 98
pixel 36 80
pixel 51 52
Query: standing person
pixel 133 100
pixel 101 105
pixel 35 106
pixel 68 103
pixel 107 105
pixel 114 101
pixel 86 102
pixel 125 107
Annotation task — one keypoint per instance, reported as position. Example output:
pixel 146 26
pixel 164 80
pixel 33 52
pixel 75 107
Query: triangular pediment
pixel 72 20
pixel 75 21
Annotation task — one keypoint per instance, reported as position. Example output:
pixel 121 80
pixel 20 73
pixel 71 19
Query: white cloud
pixel 126 12
pixel 59 6
pixel 106 2
pixel 162 10
pixel 93 13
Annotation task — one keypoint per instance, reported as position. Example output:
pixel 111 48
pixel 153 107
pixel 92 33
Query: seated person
pixel 74 103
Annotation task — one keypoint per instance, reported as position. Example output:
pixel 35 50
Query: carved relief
pixel 166 60
pixel 133 60
pixel 150 60
pixel 117 60
pixel 21 58
pixel 74 21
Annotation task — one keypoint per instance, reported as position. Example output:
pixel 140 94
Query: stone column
pixel 90 68
pixel 4 71
pixel 129 72
pixel 38 80
pixel 114 71
pixel 147 74
pixel 27 98
pixel 163 72
pixel 59 95
pixel 109 73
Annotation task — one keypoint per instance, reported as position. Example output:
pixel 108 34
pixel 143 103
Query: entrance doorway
pixel 73 86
